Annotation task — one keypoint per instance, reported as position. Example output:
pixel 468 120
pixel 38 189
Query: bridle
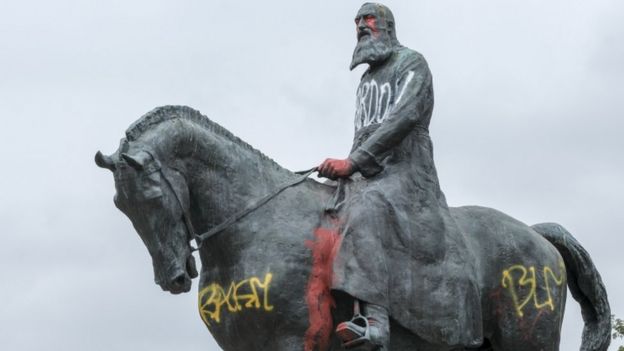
pixel 252 206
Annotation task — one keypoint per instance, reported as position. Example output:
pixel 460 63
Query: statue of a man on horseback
pixel 398 235
pixel 275 277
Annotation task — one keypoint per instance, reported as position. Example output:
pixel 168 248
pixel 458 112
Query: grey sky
pixel 528 120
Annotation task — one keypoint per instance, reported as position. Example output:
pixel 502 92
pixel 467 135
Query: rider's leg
pixel 379 324
pixel 370 331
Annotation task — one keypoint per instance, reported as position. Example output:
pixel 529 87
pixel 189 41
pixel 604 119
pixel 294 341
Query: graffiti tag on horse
pixel 521 280
pixel 251 293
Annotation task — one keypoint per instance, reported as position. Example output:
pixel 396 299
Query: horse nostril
pixel 179 280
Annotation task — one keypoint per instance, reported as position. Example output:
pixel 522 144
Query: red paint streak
pixel 371 22
pixel 495 295
pixel 537 318
pixel 318 295
pixel 527 327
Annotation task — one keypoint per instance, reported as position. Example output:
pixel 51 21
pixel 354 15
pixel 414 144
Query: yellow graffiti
pixel 248 293
pixel 528 280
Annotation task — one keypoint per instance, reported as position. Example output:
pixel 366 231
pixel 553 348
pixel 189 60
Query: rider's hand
pixel 333 169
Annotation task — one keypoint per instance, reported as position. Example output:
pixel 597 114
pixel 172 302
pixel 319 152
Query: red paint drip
pixel 318 295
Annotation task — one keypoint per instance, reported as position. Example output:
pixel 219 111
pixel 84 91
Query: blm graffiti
pixel 524 285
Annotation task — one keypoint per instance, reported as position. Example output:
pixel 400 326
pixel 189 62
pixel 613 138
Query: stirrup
pixel 356 332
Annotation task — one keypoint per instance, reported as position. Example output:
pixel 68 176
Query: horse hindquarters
pixel 527 317
pixel 585 284
pixel 522 281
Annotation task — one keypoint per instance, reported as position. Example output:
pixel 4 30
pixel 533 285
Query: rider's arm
pixel 414 100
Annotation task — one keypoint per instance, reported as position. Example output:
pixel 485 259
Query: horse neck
pixel 223 173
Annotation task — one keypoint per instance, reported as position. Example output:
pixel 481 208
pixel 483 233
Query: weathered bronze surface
pixel 285 274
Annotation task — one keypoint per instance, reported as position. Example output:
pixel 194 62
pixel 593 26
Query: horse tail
pixel 585 284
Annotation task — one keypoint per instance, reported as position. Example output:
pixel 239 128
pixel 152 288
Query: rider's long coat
pixel 400 247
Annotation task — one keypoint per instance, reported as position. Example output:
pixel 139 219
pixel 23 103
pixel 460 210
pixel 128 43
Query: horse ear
pixel 104 161
pixel 137 161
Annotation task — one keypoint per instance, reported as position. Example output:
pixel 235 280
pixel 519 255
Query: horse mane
pixel 171 112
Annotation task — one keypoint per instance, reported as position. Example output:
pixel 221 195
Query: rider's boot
pixel 367 332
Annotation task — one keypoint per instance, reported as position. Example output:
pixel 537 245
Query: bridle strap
pixel 254 205
pixel 190 231
pixel 185 216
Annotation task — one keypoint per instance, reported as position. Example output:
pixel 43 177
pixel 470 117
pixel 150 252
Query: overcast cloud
pixel 528 120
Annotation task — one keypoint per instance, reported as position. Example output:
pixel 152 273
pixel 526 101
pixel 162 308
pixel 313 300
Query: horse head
pixel 177 173
pixel 155 198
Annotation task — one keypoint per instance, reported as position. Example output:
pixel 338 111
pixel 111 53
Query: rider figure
pixel 397 231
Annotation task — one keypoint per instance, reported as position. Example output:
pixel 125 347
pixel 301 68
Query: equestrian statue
pixel 372 259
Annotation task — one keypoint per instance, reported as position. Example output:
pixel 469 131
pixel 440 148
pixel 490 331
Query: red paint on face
pixel 371 23
pixel 318 296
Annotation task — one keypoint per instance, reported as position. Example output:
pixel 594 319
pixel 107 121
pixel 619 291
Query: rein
pixel 254 205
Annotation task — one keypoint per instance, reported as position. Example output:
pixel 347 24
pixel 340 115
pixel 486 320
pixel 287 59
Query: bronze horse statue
pixel 264 281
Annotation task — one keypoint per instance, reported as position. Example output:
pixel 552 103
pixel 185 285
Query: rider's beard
pixel 371 50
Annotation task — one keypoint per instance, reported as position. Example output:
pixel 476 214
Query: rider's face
pixel 374 43
pixel 367 22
